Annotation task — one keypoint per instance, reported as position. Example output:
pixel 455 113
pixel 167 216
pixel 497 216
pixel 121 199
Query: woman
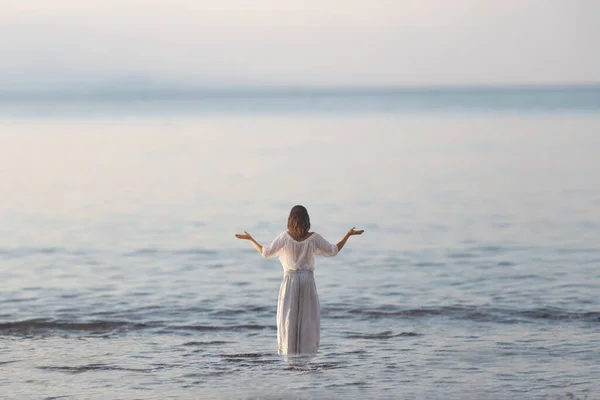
pixel 298 313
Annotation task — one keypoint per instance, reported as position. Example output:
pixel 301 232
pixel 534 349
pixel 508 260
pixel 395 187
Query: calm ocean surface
pixel 478 275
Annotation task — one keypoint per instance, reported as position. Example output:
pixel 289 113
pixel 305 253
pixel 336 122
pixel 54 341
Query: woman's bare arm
pixel 247 236
pixel 351 232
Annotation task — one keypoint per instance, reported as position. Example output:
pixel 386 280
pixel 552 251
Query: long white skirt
pixel 298 314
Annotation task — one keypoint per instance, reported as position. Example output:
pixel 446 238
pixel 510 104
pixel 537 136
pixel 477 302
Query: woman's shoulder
pixel 314 235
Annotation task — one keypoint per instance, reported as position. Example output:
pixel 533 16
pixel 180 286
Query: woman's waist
pixel 298 270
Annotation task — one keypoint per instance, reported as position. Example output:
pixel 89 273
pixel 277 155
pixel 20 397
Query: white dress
pixel 298 312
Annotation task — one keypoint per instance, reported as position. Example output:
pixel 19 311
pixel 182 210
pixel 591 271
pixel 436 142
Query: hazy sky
pixel 314 42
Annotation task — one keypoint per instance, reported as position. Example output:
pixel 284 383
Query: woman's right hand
pixel 243 236
pixel 354 231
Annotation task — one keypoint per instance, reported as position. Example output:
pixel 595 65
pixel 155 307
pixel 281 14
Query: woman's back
pixel 299 254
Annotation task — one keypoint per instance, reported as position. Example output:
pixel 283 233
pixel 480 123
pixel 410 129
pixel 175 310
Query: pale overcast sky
pixel 303 42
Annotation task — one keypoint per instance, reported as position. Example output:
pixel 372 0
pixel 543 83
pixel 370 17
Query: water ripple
pixel 92 367
pixel 382 335
pixel 480 313
pixel 126 323
pixel 38 326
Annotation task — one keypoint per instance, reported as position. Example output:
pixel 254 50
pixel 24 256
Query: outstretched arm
pixel 247 236
pixel 268 251
pixel 351 232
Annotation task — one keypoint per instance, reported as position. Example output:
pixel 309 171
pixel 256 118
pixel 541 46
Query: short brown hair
pixel 298 221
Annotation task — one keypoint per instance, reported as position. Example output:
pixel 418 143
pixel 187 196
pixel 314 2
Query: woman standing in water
pixel 298 312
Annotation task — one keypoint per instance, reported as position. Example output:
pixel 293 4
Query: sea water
pixel 478 275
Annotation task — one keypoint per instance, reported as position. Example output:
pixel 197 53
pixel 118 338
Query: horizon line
pixel 95 88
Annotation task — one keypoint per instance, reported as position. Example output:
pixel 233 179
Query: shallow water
pixel 477 274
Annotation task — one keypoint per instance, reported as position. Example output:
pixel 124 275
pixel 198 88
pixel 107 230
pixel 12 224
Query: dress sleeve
pixel 274 248
pixel 324 248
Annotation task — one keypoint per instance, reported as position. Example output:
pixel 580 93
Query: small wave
pixel 506 264
pixel 577 251
pixel 459 255
pixel 125 322
pixel 141 252
pixel 248 310
pixel 489 249
pixel 39 326
pixel 18 252
pixel 194 251
pixel 34 327
pixel 385 312
pixel 18 300
pixel 91 367
pixel 243 355
pixel 300 363
pixel 153 251
pixel 206 343
pixel 219 327
pixel 428 264
pixel 555 314
pixel 253 358
pixel 480 313
pixel 382 335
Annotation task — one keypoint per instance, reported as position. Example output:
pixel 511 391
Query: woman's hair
pixel 298 222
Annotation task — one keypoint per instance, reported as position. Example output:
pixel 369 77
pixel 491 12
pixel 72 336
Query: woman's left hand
pixel 243 236
pixel 355 231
